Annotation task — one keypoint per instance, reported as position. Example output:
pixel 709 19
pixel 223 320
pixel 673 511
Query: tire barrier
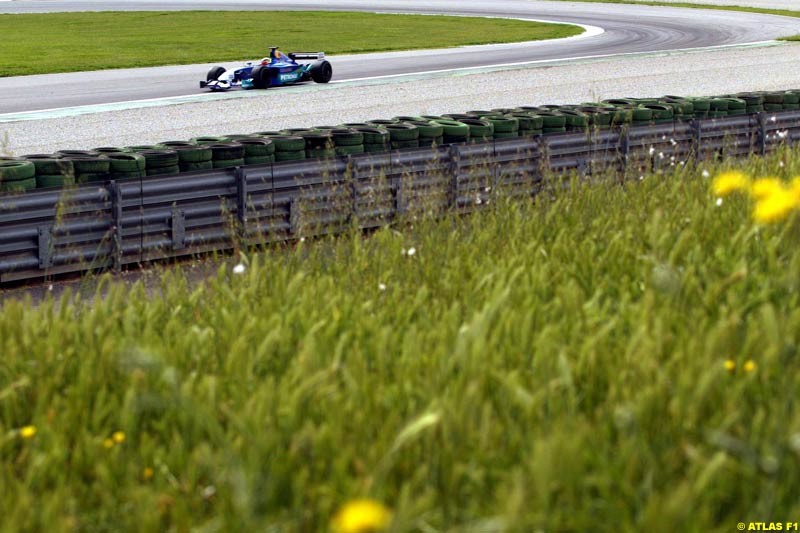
pixel 135 217
pixel 67 167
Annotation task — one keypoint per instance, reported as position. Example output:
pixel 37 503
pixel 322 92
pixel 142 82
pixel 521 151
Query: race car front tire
pixel 214 73
pixel 260 76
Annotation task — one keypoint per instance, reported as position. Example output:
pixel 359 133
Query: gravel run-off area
pixel 765 67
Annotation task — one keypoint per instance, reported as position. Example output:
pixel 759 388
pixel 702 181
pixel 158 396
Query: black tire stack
pixel 89 166
pixel 52 170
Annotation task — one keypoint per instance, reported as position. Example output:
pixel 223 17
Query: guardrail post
pixel 624 147
pixel 350 176
pixel 45 233
pixel 178 228
pixel 241 201
pixel 116 222
pixel 294 216
pixel 697 139
pixel 455 162
pixel 761 122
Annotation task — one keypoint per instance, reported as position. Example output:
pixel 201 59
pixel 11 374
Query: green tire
pixel 126 162
pixel 163 171
pixel 350 149
pixel 16 170
pixel 454 129
pixel 552 119
pixel 347 137
pixel 54 180
pixel 226 151
pixel 207 139
pixel 92 177
pixel 479 128
pixel 51 165
pixel 290 155
pixel 111 150
pixel 198 165
pixel 397 145
pixel 193 154
pixel 791 98
pixel 259 160
pixel 376 148
pixel 320 153
pixel 228 163
pixel 18 185
pixel 506 134
pixel 374 135
pixel 402 132
pixel 529 121
pixel 503 124
pixel 427 129
pixel 257 147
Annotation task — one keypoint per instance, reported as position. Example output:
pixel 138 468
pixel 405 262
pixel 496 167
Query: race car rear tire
pixel 321 71
pixel 214 73
pixel 260 75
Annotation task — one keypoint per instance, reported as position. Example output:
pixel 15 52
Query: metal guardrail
pixel 51 231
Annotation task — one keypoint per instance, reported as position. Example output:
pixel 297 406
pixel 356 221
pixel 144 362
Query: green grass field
pixel 66 42
pixel 609 358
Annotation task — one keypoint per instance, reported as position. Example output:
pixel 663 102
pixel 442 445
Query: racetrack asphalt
pixel 627 29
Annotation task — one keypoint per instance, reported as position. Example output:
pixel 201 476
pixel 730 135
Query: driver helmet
pixel 266 61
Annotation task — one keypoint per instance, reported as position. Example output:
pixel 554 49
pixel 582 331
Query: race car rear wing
pixel 307 55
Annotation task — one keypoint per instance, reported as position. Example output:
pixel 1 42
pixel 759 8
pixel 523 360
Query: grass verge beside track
pixel 622 355
pixel 69 42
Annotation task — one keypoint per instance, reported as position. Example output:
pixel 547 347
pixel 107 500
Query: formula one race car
pixel 277 69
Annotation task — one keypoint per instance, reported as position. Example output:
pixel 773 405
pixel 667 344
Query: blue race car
pixel 277 69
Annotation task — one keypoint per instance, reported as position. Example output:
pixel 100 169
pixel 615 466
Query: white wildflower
pixel 239 269
pixel 381 286
pixel 719 202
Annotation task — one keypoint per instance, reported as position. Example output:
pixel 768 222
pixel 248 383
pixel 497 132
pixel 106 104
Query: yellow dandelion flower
pixel 361 516
pixel 730 365
pixel 118 437
pixel 750 366
pixel 774 207
pixel 729 182
pixel 147 473
pixel 27 432
pixel 765 187
pixel 795 187
pixel 108 443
